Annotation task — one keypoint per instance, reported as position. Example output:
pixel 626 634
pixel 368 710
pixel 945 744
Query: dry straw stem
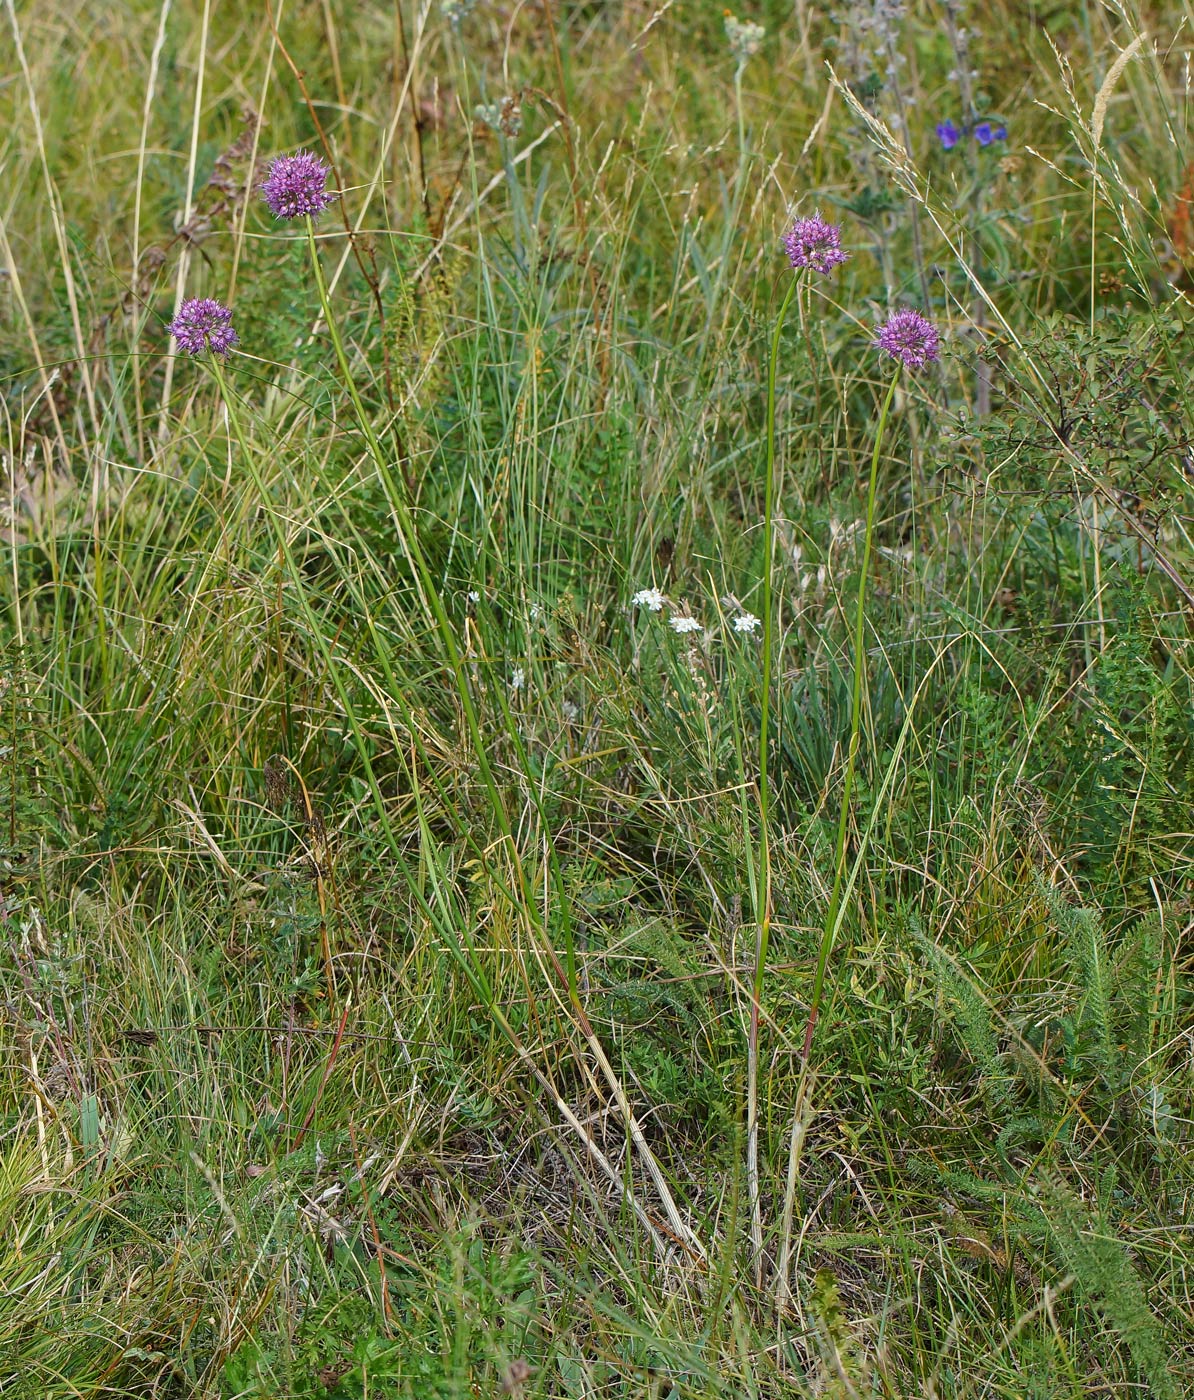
pixel 49 377
pixel 465 215
pixel 1098 116
pixel 59 221
pixel 242 215
pixel 151 84
pixel 184 257
pixel 681 1230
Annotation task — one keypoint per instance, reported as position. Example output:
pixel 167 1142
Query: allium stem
pixel 341 357
pixel 833 911
pixel 763 872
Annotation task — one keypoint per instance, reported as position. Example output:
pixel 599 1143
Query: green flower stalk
pixel 812 246
pixel 909 339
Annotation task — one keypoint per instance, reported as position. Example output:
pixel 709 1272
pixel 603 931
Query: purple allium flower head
pixel 814 243
pixel 204 324
pixel 297 185
pixel 908 337
pixel 948 134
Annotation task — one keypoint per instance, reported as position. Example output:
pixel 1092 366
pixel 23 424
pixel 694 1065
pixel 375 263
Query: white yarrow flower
pixel 650 598
pixel 685 624
pixel 747 622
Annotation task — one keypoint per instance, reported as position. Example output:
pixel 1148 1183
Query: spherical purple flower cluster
pixel 296 186
pixel 814 243
pixel 908 337
pixel 204 324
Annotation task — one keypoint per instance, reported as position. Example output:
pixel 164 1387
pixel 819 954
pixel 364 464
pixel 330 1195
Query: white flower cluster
pixel 683 623
pixel 745 38
pixel 650 598
pixel 457 11
pixel 504 116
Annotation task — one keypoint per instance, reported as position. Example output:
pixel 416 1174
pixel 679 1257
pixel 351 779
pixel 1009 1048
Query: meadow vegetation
pixel 429 965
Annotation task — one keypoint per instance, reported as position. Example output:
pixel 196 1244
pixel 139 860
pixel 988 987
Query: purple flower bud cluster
pixel 985 133
pixel 814 243
pixel 908 337
pixel 296 186
pixel 204 324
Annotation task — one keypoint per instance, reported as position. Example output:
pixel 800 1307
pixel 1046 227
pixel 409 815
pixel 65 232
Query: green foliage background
pixel 379 885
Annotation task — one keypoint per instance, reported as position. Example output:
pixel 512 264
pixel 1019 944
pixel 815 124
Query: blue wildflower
pixel 948 134
pixel 986 132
